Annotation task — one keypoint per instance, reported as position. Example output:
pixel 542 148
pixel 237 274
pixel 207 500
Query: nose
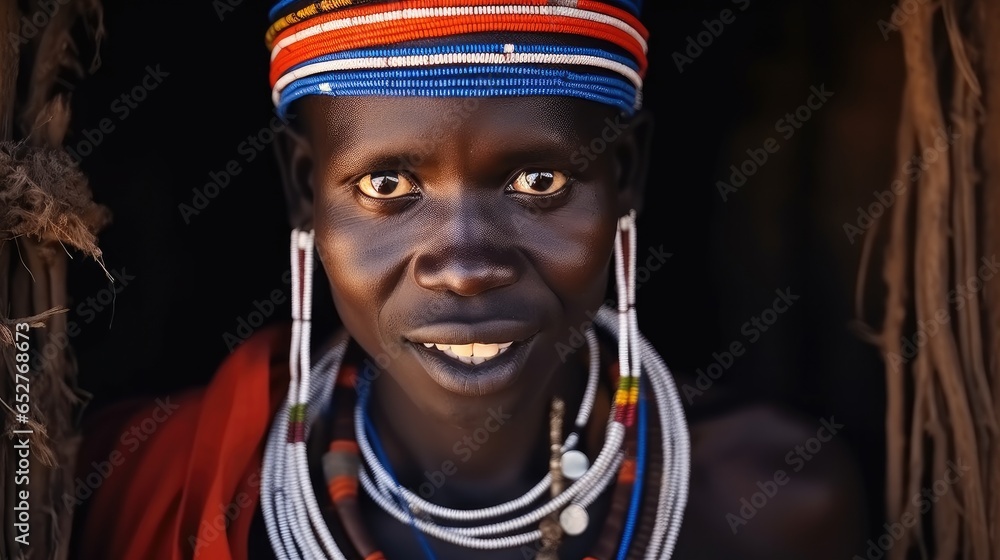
pixel 465 259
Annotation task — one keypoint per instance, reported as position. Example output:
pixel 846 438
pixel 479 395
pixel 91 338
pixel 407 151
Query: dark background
pixel 187 281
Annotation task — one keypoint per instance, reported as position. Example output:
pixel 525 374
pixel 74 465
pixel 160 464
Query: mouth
pixel 471 354
pixel 455 359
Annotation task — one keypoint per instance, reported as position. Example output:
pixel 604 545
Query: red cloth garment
pixel 184 478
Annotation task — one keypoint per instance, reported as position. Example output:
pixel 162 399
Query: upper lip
pixel 496 331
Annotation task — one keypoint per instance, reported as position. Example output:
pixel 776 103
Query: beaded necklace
pixel 295 536
pixel 343 458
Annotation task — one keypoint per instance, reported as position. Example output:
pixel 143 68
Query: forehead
pixel 378 121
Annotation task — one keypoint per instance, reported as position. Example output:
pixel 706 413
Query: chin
pixel 461 393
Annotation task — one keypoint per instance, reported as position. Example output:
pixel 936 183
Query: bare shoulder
pixel 769 484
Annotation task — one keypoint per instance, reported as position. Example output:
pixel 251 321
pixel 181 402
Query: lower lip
pixel 478 380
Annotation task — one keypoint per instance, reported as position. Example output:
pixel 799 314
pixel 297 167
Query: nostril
pixel 465 275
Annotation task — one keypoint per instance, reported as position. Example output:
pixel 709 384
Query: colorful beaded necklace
pixel 642 466
pixel 622 536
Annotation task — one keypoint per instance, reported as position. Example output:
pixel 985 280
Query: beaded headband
pixel 352 48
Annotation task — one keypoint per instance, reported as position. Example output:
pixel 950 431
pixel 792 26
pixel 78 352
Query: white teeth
pixel 472 354
pixel 485 350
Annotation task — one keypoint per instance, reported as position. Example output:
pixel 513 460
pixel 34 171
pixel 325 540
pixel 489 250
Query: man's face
pixel 465 240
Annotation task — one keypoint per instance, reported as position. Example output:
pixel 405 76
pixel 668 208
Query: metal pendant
pixel 574 464
pixel 574 520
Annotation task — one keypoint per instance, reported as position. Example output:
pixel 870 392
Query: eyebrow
pixel 538 154
pixel 357 155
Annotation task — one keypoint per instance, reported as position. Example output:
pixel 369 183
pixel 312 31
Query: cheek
pixel 572 250
pixel 362 263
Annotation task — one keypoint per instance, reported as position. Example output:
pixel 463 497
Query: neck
pixel 492 457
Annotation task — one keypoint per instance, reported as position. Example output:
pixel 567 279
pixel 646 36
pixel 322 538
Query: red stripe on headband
pixel 346 13
pixel 399 31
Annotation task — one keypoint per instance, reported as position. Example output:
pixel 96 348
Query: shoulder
pixel 138 426
pixel 130 462
pixel 768 484
pixel 135 461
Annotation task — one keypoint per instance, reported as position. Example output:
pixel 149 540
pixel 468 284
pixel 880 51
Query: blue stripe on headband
pixel 470 48
pixel 486 74
pixel 483 82
pixel 276 9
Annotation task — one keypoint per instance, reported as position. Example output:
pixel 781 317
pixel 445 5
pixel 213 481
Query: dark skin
pixel 487 227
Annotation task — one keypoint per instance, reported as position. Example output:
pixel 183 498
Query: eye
pixel 385 185
pixel 539 182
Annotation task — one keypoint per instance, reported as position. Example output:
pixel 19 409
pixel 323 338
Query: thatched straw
pixel 941 320
pixel 45 207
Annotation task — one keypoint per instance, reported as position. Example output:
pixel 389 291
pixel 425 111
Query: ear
pixel 633 152
pixel 295 163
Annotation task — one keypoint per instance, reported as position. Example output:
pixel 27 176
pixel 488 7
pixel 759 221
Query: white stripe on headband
pixel 414 13
pixel 383 62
